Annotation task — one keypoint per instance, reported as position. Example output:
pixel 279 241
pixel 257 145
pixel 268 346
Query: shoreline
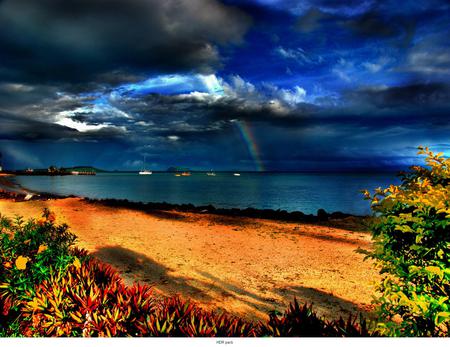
pixel 9 189
pixel 12 190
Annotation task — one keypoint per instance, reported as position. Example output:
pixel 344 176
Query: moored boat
pixel 144 171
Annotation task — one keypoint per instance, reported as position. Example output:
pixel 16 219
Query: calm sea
pixel 286 191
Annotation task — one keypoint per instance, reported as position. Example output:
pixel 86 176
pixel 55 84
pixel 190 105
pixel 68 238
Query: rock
pixel 322 215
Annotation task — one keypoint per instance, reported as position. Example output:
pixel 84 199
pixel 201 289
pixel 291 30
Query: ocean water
pixel 306 192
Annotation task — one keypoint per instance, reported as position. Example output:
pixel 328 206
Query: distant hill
pixel 84 169
pixel 177 169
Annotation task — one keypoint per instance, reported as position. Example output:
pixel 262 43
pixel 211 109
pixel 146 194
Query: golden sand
pixel 240 265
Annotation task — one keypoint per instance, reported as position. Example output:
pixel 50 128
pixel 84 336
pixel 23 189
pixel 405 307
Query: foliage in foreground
pixel 29 252
pixel 48 288
pixel 303 321
pixel 412 239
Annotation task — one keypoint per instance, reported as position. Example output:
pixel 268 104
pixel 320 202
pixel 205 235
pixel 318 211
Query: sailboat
pixel 144 171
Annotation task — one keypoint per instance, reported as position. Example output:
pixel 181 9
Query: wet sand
pixel 5 181
pixel 243 266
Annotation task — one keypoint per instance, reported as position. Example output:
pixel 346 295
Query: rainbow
pixel 249 140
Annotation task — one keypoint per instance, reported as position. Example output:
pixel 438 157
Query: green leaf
pixel 442 317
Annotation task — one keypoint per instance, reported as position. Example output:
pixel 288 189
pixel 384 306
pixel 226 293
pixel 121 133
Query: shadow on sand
pixel 341 220
pixel 329 237
pixel 322 301
pixel 208 289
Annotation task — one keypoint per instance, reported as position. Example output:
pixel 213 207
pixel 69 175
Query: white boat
pixel 211 173
pixel 144 171
pixel 236 174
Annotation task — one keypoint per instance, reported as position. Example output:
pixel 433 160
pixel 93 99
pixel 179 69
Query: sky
pixel 258 85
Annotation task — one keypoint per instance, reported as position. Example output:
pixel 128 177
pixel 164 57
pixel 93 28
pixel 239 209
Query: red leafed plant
pixel 175 317
pixel 301 321
pixel 89 300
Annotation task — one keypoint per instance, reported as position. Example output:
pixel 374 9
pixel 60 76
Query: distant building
pixel 85 173
pixel 52 169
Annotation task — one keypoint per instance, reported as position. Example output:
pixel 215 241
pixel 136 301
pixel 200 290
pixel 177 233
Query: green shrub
pixel 412 249
pixel 29 252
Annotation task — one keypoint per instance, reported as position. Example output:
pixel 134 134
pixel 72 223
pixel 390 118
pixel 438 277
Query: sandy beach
pixel 240 265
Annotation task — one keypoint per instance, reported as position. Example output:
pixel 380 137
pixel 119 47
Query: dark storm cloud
pixel 197 117
pixel 77 39
pixel 37 103
pixel 16 94
pixel 14 127
pixel 358 111
pixel 184 114
pixel 312 20
pixel 418 97
pixel 265 113
pixel 205 124
pixel 413 104
pixel 371 24
pixel 430 55
pixel 297 7
pixel 196 113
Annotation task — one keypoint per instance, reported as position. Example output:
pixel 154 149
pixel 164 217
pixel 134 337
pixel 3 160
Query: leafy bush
pixel 412 239
pixel 29 252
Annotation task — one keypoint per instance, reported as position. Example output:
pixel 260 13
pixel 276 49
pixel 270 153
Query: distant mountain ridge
pixel 84 169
